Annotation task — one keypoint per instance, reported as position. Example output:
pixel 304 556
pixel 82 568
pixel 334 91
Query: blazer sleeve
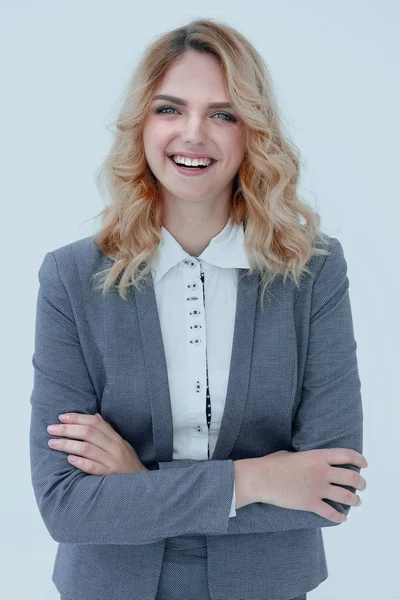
pixel 125 508
pixel 330 412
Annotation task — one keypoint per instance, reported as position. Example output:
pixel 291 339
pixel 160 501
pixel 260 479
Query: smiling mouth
pixel 189 168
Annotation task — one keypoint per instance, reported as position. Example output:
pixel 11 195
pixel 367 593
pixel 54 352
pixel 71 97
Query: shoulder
pixel 329 282
pixel 327 273
pixel 332 262
pixel 79 249
pixel 333 265
pixel 75 262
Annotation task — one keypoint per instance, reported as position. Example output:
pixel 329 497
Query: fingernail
pixel 64 417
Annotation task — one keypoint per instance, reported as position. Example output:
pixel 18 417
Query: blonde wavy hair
pixel 264 198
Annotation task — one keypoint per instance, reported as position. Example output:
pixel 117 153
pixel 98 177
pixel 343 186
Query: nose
pixel 193 131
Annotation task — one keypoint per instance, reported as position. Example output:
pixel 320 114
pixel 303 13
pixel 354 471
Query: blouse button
pixel 195 341
pixel 190 262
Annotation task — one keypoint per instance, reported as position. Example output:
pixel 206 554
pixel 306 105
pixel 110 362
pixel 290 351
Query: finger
pixel 347 477
pixel 85 450
pixel 323 509
pixel 339 494
pixel 345 456
pixel 88 466
pixel 96 421
pixel 87 433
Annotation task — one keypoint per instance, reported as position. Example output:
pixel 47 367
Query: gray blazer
pixel 293 385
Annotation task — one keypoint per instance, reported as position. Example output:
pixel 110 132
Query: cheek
pixel 154 138
pixel 232 145
pixel 235 155
pixel 161 130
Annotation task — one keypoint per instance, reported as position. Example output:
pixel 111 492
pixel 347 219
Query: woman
pixel 213 411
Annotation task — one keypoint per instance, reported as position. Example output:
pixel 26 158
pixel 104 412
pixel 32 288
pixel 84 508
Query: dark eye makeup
pixel 162 108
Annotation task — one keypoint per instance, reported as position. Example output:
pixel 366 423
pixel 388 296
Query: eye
pixel 230 117
pixel 160 110
pixel 164 108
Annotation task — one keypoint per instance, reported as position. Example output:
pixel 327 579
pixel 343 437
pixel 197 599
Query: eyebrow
pixel 184 103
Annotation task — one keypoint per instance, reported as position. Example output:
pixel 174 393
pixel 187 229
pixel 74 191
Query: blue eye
pixel 164 108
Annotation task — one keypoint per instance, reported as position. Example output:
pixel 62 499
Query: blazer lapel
pixel 156 368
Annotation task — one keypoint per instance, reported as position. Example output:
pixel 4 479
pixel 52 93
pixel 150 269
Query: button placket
pixel 196 341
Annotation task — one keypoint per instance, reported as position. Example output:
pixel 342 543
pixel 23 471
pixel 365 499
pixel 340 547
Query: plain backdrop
pixel 335 68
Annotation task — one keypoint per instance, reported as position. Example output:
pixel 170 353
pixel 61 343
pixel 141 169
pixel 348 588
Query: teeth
pixel 195 162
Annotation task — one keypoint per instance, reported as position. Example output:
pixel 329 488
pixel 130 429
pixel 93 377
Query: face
pixel 190 125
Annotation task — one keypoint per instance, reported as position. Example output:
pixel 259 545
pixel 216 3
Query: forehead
pixel 194 74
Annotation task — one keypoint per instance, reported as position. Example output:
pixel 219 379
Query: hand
pixel 102 452
pixel 299 480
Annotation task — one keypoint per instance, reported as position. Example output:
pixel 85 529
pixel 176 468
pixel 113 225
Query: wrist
pixel 245 475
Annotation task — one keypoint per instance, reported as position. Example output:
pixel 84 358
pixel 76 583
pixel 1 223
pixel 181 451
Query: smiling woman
pixel 209 437
pixel 203 91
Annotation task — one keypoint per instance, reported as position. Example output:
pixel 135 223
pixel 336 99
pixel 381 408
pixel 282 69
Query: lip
pixel 191 173
pixel 191 155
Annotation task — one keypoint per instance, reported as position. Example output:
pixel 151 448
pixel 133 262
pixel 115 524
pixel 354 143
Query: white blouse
pixel 197 333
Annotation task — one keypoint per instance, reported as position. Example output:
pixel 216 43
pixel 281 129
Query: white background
pixel 335 67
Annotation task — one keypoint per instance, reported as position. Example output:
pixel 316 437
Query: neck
pixel 195 233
